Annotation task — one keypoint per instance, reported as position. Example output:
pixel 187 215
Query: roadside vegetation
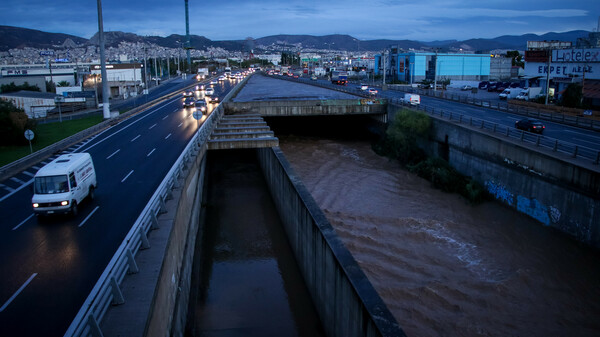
pixel 404 141
pixel 14 122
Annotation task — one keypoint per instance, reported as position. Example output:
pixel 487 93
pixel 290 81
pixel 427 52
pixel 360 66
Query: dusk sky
pixel 424 20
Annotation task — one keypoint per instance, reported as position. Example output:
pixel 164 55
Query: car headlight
pixel 36 205
pixel 64 203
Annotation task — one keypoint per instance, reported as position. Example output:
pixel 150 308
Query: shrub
pixel 13 123
pixel 403 135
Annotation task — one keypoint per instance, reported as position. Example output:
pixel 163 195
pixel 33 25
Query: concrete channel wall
pixel 552 188
pixel 364 106
pixel 347 303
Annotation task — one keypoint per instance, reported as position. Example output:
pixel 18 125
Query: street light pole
pixel 105 90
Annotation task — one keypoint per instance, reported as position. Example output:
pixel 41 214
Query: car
pixel 201 105
pixel 364 87
pixel 531 125
pixel 199 87
pixel 188 93
pixel 214 82
pixel 188 102
pixel 483 85
pixel 313 77
pixel 209 91
pixel 372 91
pixel 466 87
pixel 491 86
pixel 221 78
pixel 213 99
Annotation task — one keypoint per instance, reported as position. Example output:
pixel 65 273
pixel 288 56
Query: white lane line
pixel 169 135
pixel 7 188
pixel 29 174
pixel 113 154
pixel 22 222
pixel 87 217
pixel 175 110
pixel 577 132
pixel 127 176
pixel 148 155
pixel 18 292
pixel 136 137
pixel 165 117
pixel 180 124
pixel 35 167
pixel 150 128
pixel 17 180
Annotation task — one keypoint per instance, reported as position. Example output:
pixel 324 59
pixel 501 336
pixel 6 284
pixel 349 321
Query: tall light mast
pixel 105 91
pixel 187 36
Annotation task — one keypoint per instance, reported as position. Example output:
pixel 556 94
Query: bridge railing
pixel 107 291
pixel 574 150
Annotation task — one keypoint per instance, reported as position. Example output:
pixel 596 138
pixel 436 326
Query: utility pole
pixel 145 71
pixel 187 35
pixel 436 71
pixel 548 76
pixel 155 71
pixel 105 91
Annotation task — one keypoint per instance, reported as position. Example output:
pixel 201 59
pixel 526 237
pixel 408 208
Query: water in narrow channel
pixel 246 281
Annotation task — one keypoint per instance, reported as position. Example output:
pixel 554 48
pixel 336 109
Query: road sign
pixel 29 134
pixel 197 115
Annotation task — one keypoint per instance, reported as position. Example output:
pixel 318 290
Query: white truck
pixel 61 185
pixel 202 74
pixel 510 93
pixel 412 99
pixel 529 93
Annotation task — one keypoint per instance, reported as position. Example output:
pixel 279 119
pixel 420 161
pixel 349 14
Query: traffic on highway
pixel 52 262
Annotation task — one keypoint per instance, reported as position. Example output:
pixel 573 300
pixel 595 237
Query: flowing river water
pixel 443 266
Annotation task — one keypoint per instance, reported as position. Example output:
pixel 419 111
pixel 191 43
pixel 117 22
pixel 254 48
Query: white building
pixel 35 104
pixel 273 58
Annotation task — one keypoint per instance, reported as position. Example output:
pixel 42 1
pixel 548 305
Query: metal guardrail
pixel 582 122
pixel 106 292
pixel 574 150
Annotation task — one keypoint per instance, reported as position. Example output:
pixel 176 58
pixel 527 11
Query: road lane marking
pixel 127 176
pixel 16 190
pixel 16 180
pixel 180 124
pixel 18 292
pixel 165 117
pixel 35 167
pixel 29 173
pixel 148 155
pixel 175 110
pixel 136 137
pixel 577 132
pixel 10 189
pixel 113 154
pixel 169 135
pixel 22 222
pixel 150 128
pixel 87 217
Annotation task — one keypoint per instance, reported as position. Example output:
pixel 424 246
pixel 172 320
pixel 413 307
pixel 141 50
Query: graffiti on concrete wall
pixel 499 191
pixel 534 209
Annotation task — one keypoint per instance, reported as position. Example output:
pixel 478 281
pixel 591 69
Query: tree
pixel 12 87
pixel 572 96
pixel 517 58
pixel 404 134
pixel 13 123
pixel 63 84
pixel 50 87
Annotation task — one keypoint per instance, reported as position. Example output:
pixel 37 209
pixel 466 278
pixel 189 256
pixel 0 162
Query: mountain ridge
pixel 16 37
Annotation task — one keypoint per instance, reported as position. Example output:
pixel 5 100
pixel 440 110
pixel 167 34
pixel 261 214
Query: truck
pixel 412 99
pixel 227 72
pixel 530 93
pixel 202 73
pixel 510 93
pixel 61 185
pixel 339 77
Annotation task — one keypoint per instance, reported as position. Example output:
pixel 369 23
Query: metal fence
pixel 574 150
pixel 106 292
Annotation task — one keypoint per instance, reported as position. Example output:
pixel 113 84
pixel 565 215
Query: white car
pixel 209 91
pixel 372 91
pixel 214 82
pixel 364 87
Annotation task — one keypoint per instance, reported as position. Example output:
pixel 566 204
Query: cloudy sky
pixel 424 20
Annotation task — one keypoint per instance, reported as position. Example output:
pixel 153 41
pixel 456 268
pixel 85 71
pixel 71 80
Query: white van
pixel 412 99
pixel 62 184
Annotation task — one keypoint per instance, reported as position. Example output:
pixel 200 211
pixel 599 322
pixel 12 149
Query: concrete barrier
pixel 347 303
pixel 310 107
pixel 548 186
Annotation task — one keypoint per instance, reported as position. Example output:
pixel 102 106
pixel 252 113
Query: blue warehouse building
pixel 413 67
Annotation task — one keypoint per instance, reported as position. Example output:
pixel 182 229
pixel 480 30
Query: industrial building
pixel 414 67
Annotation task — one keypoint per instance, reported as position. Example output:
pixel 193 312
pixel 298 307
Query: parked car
pixel 491 86
pixel 483 85
pixel 466 87
pixel 531 125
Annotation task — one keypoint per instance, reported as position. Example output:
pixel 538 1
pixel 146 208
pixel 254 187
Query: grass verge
pixel 47 134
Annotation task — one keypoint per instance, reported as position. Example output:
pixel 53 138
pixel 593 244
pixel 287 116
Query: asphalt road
pixel 49 265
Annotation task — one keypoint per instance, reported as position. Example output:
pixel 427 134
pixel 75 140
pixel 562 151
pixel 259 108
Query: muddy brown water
pixel 444 267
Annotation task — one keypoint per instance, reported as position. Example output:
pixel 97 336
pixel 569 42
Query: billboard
pixel 576 55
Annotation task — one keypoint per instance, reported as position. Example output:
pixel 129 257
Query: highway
pixel 49 265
